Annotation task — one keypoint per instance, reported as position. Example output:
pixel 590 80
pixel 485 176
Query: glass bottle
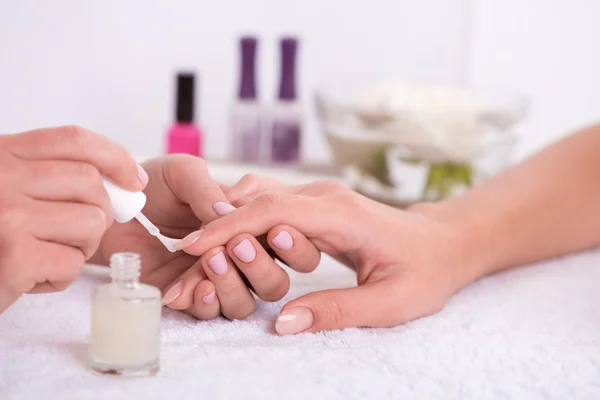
pixel 125 326
pixel 286 128
pixel 246 111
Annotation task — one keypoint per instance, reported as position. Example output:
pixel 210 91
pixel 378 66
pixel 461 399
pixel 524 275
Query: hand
pixel 407 263
pixel 53 206
pixel 242 263
pixel 181 197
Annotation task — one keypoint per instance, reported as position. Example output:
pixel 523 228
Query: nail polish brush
pixel 128 205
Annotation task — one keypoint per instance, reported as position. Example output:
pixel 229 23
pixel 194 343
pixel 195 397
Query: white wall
pixel 548 49
pixel 107 64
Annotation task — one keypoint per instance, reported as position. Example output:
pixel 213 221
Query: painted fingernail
pixel 218 263
pixel 283 241
pixel 294 320
pixel 223 208
pixel 209 298
pixel 172 293
pixel 142 175
pixel 189 240
pixel 245 251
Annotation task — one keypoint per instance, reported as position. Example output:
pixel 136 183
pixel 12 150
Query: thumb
pixel 369 305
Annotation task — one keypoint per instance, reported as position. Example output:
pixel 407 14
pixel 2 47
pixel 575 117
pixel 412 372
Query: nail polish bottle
pixel 287 123
pixel 185 136
pixel 125 326
pixel 246 112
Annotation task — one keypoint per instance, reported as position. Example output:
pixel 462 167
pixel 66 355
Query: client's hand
pixel 181 197
pixel 243 262
pixel 408 264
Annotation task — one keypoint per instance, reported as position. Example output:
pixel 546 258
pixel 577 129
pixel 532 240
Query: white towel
pixel 533 333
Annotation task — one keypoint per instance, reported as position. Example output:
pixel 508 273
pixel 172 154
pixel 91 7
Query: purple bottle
pixel 246 113
pixel 286 128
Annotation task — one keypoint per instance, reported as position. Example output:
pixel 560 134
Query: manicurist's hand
pixel 407 264
pixel 53 206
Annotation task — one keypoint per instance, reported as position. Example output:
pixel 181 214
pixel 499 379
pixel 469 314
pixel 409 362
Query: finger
pixel 206 303
pixel 74 143
pixel 72 224
pixel 56 266
pixel 336 221
pixel 67 181
pixel 234 296
pixel 294 248
pixel 371 304
pixel 190 181
pixel 194 293
pixel 252 184
pixel 269 281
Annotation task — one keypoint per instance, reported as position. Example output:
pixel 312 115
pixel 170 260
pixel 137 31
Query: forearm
pixel 544 207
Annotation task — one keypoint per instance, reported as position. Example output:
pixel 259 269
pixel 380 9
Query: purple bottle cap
pixel 287 86
pixel 247 90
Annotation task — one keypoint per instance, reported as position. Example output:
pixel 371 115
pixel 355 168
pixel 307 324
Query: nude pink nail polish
pixel 218 264
pixel 283 241
pixel 222 208
pixel 172 293
pixel 294 320
pixel 184 136
pixel 209 298
pixel 245 251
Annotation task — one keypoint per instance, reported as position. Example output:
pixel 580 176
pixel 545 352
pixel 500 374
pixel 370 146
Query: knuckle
pixel 271 199
pixel 334 313
pixel 95 223
pixel 185 163
pixel 73 133
pixel 250 179
pixel 12 218
pixel 276 293
pixel 242 311
pixel 241 201
pixel 87 173
pixel 329 186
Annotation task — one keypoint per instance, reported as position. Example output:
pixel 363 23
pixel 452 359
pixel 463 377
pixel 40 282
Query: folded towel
pixel 533 333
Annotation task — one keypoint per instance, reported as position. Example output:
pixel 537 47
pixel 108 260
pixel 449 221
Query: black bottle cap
pixel 184 111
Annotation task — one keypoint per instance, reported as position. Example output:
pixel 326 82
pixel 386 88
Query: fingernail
pixel 283 241
pixel 245 251
pixel 222 208
pixel 189 240
pixel 218 263
pixel 209 298
pixel 172 293
pixel 142 175
pixel 294 320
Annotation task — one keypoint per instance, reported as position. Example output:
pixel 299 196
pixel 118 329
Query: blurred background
pixel 110 65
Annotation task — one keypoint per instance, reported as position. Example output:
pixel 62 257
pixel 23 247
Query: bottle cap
pixel 247 90
pixel 184 111
pixel 125 204
pixel 287 86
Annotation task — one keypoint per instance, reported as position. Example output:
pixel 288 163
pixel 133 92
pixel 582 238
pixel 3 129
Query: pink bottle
pixel 184 136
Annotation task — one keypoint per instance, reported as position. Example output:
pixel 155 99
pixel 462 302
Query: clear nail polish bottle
pixel 246 111
pixel 125 326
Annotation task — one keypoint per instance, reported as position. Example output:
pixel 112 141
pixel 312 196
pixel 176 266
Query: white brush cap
pixel 125 204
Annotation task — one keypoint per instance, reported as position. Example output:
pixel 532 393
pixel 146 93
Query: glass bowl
pixel 402 143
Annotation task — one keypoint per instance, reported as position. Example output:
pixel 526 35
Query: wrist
pixel 467 242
